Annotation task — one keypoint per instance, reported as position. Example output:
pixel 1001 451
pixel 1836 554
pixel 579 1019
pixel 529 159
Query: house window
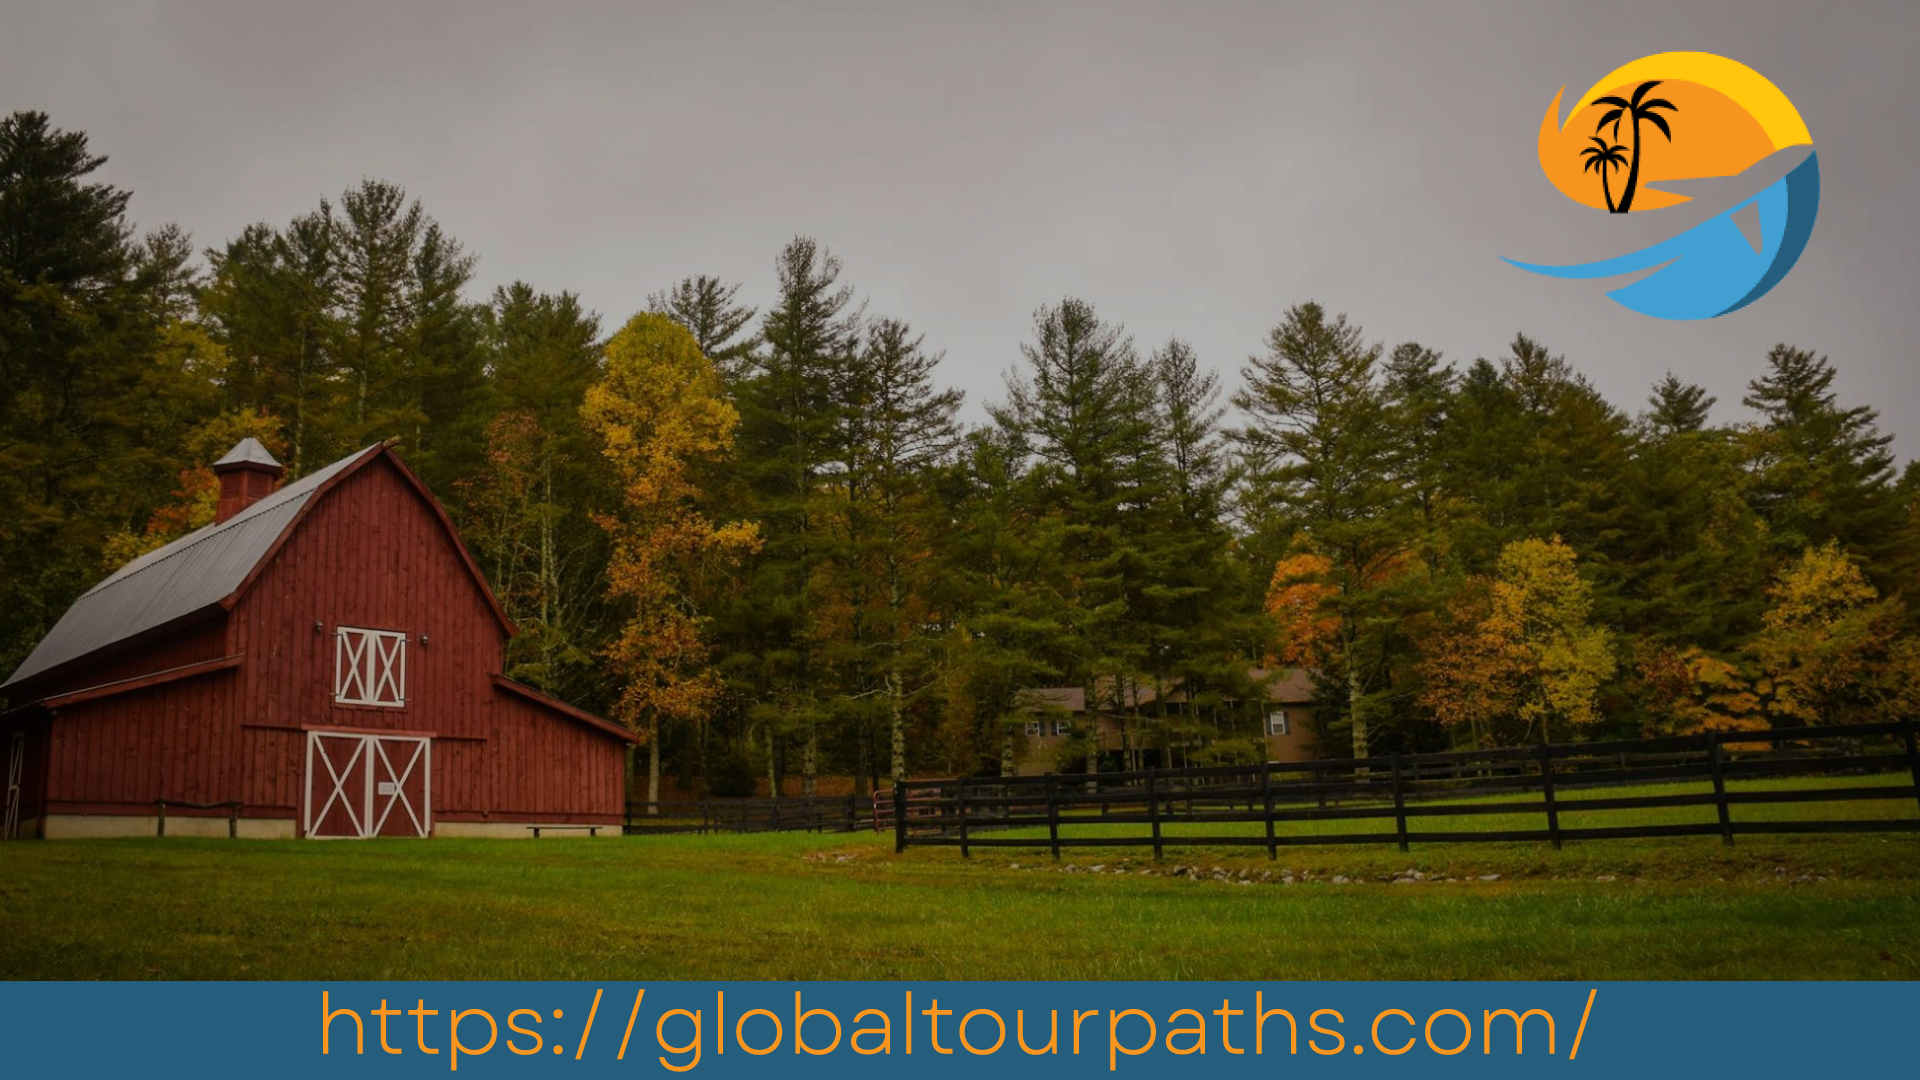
pixel 1277 723
pixel 369 667
pixel 1061 727
pixel 1033 728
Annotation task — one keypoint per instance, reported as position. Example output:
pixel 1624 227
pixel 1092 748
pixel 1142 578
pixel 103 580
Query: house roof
pixel 1284 685
pixel 205 569
pixel 1288 685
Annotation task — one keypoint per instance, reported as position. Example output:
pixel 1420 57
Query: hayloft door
pixel 361 785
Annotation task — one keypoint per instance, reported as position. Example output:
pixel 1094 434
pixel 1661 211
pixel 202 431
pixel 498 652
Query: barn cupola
pixel 247 475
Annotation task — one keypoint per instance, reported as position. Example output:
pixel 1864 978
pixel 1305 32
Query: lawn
pixel 801 906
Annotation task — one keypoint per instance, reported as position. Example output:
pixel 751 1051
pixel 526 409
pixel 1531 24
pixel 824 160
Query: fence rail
pixel 820 813
pixel 1395 793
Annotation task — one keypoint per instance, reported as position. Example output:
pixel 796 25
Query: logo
pixel 1711 157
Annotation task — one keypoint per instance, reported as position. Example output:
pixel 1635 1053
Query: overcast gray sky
pixel 1191 168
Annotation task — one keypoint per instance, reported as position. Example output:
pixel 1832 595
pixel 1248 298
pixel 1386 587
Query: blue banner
pixel 953 1029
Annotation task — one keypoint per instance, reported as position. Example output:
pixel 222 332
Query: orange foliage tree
pixel 659 413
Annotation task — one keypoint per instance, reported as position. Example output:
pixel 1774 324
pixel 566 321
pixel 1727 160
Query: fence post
pixel 1266 790
pixel 1399 803
pixel 960 809
pixel 1913 755
pixel 162 804
pixel 899 817
pixel 706 816
pixel 233 821
pixel 1546 788
pixel 1719 787
pixel 1053 818
pixel 1153 808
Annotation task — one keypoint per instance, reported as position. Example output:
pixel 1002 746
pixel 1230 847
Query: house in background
pixel 324 654
pixel 1058 710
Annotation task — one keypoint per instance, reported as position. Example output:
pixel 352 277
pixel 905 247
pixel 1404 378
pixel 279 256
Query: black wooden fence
pixel 820 813
pixel 1400 790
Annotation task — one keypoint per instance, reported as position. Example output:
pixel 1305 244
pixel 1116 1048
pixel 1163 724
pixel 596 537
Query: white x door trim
pixel 365 783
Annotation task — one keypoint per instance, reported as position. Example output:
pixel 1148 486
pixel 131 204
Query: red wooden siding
pixel 368 553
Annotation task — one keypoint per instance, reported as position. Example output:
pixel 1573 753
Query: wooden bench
pixel 591 830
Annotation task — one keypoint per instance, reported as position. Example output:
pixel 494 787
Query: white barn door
pixel 368 785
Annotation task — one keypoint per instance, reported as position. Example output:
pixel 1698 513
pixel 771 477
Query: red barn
pixel 326 655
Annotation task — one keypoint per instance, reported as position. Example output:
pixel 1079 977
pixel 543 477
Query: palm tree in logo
pixel 1602 156
pixel 1636 111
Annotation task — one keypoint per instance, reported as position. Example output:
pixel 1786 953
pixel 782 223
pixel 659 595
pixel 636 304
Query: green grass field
pixel 802 906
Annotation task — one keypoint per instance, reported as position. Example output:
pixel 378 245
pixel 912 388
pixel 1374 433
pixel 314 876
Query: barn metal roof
pixel 193 573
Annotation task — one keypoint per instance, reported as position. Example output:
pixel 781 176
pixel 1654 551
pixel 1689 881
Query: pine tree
pixel 705 306
pixel 1677 407
pixel 83 305
pixel 1825 472
pixel 790 430
pixel 1189 603
pixel 1082 411
pixel 900 427
pixel 1320 442
pixel 270 305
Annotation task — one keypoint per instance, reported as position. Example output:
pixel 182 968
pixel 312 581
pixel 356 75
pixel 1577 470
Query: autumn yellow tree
pixel 1520 647
pixel 1541 608
pixel 1826 644
pixel 659 414
pixel 1687 690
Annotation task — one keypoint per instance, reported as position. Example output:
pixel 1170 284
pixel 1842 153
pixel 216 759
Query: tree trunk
pixel 653 765
pixel 1092 704
pixel 1356 704
pixel 897 721
pixel 1006 752
pixel 773 767
pixel 810 762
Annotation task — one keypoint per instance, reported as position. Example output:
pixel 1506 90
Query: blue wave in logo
pixel 1712 269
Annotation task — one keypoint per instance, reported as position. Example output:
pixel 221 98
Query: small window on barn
pixel 369 667
pixel 1277 723
pixel 1033 728
pixel 1061 727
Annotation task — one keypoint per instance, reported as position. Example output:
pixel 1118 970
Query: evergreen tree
pixel 790 429
pixel 83 304
pixel 270 306
pixel 1082 411
pixel 900 427
pixel 1823 471
pixel 1320 440
pixel 705 306
pixel 1678 407
pixel 526 509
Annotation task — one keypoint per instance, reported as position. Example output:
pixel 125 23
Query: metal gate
pixel 361 785
pixel 16 777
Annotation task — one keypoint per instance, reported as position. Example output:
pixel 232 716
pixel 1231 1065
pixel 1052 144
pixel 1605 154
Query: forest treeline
pixel 757 529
